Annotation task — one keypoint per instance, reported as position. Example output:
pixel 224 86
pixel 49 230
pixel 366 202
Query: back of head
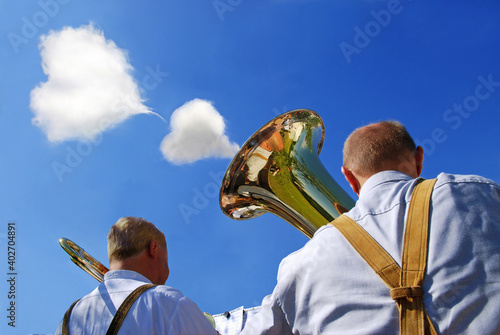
pixel 370 149
pixel 130 236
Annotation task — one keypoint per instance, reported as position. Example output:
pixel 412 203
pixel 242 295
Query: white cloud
pixel 197 132
pixel 89 88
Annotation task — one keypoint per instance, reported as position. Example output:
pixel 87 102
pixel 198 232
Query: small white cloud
pixel 197 132
pixel 89 87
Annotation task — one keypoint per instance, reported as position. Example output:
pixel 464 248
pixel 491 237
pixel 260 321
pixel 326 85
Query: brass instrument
pixel 83 260
pixel 278 170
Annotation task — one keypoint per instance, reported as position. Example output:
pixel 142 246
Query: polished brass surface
pixel 81 258
pixel 278 171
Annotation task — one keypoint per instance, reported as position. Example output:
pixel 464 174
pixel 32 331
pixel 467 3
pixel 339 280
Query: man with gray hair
pixel 413 255
pixel 138 261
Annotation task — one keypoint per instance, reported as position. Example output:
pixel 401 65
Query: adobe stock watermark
pixel 154 78
pixel 455 115
pixel 75 154
pixel 371 29
pixel 30 26
pixel 448 299
pixel 277 112
pixel 223 6
pixel 202 197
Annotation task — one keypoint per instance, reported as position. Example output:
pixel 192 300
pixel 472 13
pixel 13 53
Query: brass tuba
pixel 278 170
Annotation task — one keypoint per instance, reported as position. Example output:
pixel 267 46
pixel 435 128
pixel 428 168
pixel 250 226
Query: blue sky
pixel 81 141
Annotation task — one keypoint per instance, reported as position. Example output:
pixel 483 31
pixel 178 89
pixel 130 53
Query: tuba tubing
pixel 278 171
pixel 83 259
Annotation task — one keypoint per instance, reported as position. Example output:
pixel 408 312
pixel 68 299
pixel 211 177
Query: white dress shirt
pixel 160 310
pixel 327 288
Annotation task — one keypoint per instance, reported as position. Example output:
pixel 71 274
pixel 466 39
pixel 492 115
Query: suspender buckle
pixel 406 292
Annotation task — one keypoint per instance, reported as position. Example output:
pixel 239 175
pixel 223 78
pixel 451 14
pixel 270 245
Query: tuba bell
pixel 278 171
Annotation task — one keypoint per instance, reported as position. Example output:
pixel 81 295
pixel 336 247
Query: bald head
pixel 370 149
pixel 381 146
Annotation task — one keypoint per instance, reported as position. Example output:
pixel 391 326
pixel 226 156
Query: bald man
pixel 328 288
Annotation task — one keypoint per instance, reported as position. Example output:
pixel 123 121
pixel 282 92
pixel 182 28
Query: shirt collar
pixel 380 178
pixel 125 274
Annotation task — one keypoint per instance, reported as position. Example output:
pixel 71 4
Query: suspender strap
pixel 405 282
pixel 120 315
pixel 414 260
pixel 65 325
pixel 378 259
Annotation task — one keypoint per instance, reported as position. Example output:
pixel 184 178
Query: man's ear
pixel 351 179
pixel 154 248
pixel 419 159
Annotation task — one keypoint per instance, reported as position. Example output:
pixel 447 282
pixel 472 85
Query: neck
pixel 139 264
pixel 409 163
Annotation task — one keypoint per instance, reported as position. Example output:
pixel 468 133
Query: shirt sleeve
pixel 188 319
pixel 270 319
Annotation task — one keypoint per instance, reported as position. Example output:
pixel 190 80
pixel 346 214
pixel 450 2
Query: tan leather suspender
pixel 120 315
pixel 405 282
